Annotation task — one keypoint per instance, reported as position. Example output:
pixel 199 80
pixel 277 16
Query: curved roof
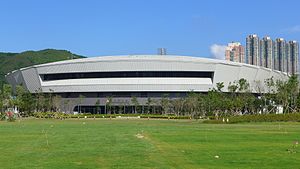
pixel 144 58
pixel 224 71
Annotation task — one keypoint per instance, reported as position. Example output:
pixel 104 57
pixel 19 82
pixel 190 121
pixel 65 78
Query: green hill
pixel 13 61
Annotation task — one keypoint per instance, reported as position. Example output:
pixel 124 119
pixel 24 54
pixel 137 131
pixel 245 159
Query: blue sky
pixel 120 27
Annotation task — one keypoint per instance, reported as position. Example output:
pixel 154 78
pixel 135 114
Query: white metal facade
pixel 224 71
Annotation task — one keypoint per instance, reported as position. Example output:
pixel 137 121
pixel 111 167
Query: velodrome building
pixel 142 76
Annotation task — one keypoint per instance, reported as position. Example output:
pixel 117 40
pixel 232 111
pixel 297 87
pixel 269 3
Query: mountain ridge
pixel 10 61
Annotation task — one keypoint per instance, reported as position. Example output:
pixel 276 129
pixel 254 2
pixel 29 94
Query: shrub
pixel 158 116
pixel 88 115
pixel 266 118
pixel 10 116
pixel 56 115
pixel 292 117
pixel 2 116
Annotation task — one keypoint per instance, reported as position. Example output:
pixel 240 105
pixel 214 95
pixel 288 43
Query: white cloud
pixel 218 51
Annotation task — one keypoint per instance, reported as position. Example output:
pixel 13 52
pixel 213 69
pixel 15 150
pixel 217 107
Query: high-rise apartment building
pixel 292 54
pixel 288 58
pixel 266 52
pixel 280 58
pixel 278 55
pixel 252 50
pixel 235 52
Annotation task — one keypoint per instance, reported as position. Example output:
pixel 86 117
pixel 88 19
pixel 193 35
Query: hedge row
pixel 58 115
pixel 292 117
pixel 295 117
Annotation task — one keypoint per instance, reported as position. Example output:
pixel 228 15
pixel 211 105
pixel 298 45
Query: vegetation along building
pixel 91 84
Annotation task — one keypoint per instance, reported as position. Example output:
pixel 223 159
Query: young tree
pixel 293 90
pixel 232 88
pixel 108 104
pixel 135 102
pixel 18 101
pixel 1 102
pixel 79 102
pixel 203 104
pixel 178 105
pixel 245 97
pixel 121 109
pixel 270 84
pixel 46 102
pixel 66 105
pixel 259 88
pixel 28 103
pixel 270 95
pixel 97 104
pixel 56 102
pixel 155 103
pixel 282 95
pixel 261 100
pixel 40 99
pixel 71 103
pixel 287 92
pixel 220 86
pixel 149 103
pixel 192 103
pixel 215 102
pixel 24 100
pixel 235 103
pixel 243 85
pixel 50 100
pixel 164 103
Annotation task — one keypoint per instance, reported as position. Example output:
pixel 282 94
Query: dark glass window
pixel 128 74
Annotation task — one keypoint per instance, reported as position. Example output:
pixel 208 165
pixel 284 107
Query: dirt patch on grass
pixel 140 136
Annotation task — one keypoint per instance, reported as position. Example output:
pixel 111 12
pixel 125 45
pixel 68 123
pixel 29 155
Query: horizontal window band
pixel 127 74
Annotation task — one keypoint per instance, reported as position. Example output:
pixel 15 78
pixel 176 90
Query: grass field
pixel 122 143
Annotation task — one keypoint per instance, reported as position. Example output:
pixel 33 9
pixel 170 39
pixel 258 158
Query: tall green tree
pixel 25 101
pixel 28 103
pixel 7 96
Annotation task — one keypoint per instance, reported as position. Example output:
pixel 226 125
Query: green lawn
pixel 122 143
